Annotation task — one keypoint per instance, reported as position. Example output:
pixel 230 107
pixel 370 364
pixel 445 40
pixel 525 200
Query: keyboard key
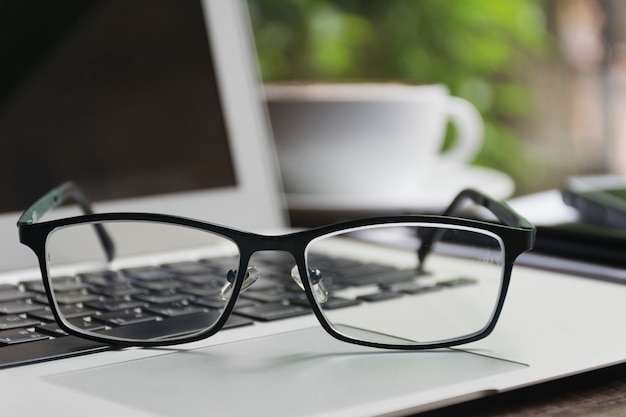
pixel 149 273
pixel 48 349
pixel 410 287
pixel 237 321
pixel 369 274
pixel 12 337
pixel 163 285
pixel 68 311
pixel 15 294
pixel 43 314
pixel 15 322
pixel 59 286
pixel 115 305
pixel 179 325
pixel 200 291
pixel 117 290
pixel 72 312
pixel 272 311
pixel 103 278
pixel 271 296
pixel 53 329
pixel 215 302
pixel 123 318
pixel 18 307
pixel 265 284
pixel 188 268
pixel 204 279
pixel 161 298
pixel 174 310
pixel 338 302
pixel 75 297
pixel 331 304
pixel 8 287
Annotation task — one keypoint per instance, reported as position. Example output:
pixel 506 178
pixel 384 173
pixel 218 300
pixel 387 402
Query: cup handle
pixel 470 131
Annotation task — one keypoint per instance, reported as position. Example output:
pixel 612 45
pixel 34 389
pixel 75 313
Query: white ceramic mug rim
pixel 354 92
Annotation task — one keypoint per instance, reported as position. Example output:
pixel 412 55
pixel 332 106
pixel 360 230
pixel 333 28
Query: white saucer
pixel 436 193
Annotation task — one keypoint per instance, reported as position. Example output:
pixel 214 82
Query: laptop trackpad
pixel 299 372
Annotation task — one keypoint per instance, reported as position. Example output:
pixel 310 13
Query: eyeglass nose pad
pixel 317 285
pixel 252 275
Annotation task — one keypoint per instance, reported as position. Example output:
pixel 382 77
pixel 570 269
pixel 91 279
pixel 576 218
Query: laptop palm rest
pixel 271 374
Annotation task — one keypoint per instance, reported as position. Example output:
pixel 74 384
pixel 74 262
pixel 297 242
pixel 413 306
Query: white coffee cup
pixel 380 139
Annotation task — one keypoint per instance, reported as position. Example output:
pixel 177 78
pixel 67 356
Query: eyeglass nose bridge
pixel 283 243
pixel 252 275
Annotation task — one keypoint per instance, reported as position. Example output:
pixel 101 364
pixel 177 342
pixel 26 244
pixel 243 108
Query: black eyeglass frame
pixel 516 233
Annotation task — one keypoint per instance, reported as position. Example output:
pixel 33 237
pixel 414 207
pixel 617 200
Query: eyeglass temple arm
pixel 501 210
pixel 56 197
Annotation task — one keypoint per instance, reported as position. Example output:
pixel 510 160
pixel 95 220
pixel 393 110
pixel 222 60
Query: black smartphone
pixel 600 200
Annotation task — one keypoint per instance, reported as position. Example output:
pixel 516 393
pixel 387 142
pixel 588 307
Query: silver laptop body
pixel 553 324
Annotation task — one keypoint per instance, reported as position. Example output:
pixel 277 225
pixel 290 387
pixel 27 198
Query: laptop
pixel 553 324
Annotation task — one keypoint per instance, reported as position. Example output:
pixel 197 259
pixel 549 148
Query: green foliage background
pixel 481 49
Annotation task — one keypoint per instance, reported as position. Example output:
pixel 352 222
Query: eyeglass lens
pixel 452 295
pixel 135 297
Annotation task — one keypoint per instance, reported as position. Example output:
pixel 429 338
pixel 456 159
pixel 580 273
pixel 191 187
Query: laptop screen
pixel 148 105
pixel 117 96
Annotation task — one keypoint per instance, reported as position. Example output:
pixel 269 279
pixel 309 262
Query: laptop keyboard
pixel 29 333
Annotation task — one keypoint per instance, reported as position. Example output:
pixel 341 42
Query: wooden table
pixel 594 394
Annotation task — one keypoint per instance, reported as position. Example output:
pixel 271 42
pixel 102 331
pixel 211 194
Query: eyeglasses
pixel 401 282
